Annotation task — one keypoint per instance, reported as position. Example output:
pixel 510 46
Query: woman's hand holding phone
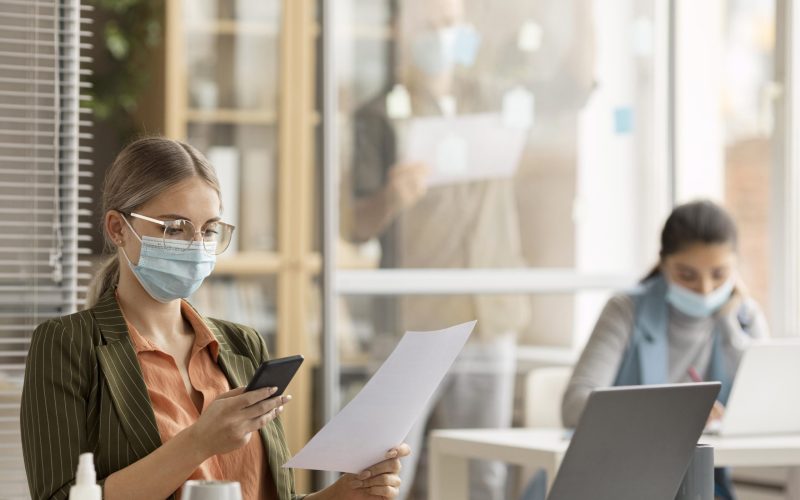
pixel 227 423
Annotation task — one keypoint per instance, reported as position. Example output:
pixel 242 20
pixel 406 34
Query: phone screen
pixel 275 373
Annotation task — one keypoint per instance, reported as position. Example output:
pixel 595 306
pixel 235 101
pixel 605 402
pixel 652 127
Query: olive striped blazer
pixel 84 392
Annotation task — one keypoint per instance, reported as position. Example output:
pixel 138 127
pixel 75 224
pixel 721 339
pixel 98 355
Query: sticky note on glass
pixel 623 120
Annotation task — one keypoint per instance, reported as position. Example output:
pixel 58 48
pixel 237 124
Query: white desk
pixel 450 451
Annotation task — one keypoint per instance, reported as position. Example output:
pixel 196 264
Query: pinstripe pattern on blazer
pixel 84 392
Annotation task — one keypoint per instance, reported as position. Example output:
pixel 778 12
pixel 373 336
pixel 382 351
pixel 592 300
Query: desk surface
pixel 524 445
pixel 450 451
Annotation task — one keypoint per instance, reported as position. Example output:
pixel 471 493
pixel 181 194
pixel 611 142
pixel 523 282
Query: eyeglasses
pixel 216 236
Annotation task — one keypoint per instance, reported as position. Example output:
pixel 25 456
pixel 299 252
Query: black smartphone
pixel 275 373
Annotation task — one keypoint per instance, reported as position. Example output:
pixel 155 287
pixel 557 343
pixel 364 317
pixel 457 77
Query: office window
pixel 726 124
pixel 42 194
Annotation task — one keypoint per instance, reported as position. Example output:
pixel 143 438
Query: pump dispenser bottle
pixel 86 487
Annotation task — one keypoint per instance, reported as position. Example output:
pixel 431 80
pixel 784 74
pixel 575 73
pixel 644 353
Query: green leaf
pixel 116 43
pixel 117 6
pixel 132 29
pixel 153 33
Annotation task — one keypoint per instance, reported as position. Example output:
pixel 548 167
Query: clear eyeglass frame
pixel 216 235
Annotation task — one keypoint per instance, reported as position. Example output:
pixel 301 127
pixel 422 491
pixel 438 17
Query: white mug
pixel 211 490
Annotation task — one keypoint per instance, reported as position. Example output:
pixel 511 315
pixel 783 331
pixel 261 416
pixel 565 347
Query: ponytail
pixel 104 279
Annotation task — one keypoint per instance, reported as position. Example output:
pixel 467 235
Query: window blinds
pixel 43 192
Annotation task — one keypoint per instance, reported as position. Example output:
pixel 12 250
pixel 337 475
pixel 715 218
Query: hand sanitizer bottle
pixel 85 487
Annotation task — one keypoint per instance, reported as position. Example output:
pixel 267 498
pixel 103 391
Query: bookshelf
pixel 226 63
pixel 231 27
pixel 248 264
pixel 231 116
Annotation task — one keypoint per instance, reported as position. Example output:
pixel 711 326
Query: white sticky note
pixel 448 105
pixel 398 103
pixel 382 414
pixel 519 107
pixel 643 36
pixel 530 37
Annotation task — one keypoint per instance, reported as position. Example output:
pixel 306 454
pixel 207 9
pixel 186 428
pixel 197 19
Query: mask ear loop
pixel 124 253
pixel 131 227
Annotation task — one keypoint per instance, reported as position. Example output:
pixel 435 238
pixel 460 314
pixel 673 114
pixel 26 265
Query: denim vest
pixel 646 358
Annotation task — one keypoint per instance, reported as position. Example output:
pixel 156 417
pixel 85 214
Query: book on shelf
pixel 258 200
pixel 225 160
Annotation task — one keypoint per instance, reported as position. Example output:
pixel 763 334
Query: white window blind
pixel 43 192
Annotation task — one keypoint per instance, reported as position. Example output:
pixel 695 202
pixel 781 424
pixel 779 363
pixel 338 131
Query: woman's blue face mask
pixel 169 271
pixel 697 304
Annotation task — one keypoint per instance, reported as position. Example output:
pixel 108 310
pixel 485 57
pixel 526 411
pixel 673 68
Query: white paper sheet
pixel 465 148
pixel 382 414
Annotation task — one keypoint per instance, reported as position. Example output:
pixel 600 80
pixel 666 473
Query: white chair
pixel 544 388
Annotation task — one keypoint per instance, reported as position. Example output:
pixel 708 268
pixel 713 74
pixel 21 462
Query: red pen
pixel 694 375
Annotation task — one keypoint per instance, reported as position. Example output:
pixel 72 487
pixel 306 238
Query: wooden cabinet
pixel 240 86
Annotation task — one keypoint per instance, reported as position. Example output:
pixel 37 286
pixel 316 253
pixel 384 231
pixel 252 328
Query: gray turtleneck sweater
pixel 690 343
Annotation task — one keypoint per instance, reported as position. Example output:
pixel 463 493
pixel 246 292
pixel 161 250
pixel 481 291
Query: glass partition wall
pixel 513 163
pixel 466 142
pixel 505 162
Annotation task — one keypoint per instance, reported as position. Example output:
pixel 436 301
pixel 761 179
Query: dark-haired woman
pixel 689 317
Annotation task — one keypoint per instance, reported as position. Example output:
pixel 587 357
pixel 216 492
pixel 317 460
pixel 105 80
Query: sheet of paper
pixel 465 148
pixel 382 414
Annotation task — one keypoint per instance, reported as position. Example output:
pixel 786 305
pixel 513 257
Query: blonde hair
pixel 143 170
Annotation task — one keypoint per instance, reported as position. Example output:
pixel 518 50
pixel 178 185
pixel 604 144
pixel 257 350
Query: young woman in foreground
pixel 140 378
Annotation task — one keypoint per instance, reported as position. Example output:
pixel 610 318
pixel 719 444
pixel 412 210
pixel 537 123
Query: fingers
pixel 391 466
pixel 411 175
pixel 741 287
pixel 231 393
pixel 415 173
pixel 411 169
pixel 384 491
pixel 385 485
pixel 716 414
pixel 410 189
pixel 253 397
pixel 259 422
pixel 265 406
pixel 380 480
pixel 401 451
pixel 717 411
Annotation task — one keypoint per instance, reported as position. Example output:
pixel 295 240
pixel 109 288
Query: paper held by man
pixel 382 414
pixel 465 148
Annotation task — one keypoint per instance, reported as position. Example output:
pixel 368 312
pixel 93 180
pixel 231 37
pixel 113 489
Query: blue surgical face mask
pixel 696 304
pixel 437 51
pixel 168 270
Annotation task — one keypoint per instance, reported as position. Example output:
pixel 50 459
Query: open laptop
pixel 765 397
pixel 634 443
